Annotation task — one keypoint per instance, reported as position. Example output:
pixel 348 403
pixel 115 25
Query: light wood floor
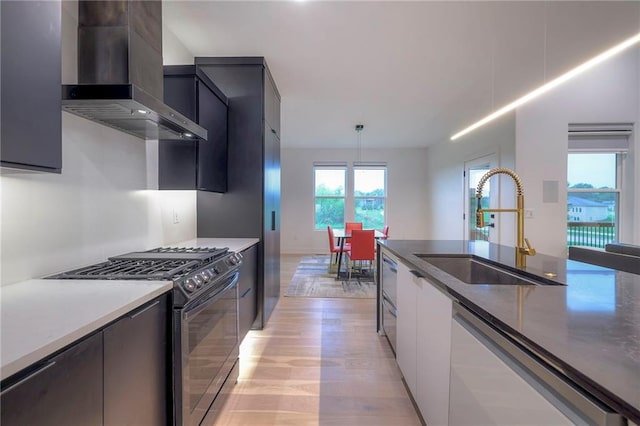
pixel 317 362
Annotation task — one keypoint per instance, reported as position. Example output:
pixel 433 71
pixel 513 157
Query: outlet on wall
pixel 176 218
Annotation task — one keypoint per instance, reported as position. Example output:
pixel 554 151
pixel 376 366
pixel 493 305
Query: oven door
pixel 206 349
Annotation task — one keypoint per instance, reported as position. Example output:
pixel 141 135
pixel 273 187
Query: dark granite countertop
pixel 589 327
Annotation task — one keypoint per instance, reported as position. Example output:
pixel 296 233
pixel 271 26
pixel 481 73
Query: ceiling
pixel 413 73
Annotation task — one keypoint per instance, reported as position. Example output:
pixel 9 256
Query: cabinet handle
pixel 247 291
pixel 416 274
pixel 392 265
pixel 273 220
pixel 29 377
pixel 144 310
pixel 386 303
pixel 273 131
pixel 393 312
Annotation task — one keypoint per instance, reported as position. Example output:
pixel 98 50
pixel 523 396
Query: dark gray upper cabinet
pixel 251 207
pixel 194 165
pixel 31 118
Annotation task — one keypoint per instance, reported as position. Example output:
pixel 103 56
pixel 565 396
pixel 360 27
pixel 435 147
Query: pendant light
pixel 359 129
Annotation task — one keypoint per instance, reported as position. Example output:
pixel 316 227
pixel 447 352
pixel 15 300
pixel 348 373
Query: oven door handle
pixel 202 303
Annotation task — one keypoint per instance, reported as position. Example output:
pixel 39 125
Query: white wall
pixel 174 52
pixel 407 208
pixel 445 166
pixel 534 142
pixel 100 204
pixel 606 94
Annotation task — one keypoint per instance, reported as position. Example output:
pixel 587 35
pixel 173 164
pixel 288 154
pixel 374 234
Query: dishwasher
pixel 495 381
pixel 388 302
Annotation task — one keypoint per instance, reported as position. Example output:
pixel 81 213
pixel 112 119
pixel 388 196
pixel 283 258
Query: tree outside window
pixel 329 183
pixel 370 196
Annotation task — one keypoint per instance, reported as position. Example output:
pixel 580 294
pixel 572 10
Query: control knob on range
pixel 190 284
pixel 206 276
pixel 199 281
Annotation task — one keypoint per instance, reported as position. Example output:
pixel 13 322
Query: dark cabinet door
pixel 212 154
pixel 177 165
pixel 271 231
pixel 247 288
pixel 194 165
pixel 31 118
pixel 180 92
pixel 64 390
pixel 272 222
pixel 271 104
pixel 136 369
pixel 177 159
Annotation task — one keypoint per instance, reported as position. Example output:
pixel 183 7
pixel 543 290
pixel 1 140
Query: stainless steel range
pixel 205 316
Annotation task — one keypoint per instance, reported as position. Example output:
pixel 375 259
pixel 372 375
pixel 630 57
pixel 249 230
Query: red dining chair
pixel 335 248
pixel 385 232
pixel 350 226
pixel 362 248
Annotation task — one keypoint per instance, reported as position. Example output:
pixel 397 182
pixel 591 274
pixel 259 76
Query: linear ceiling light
pixel 552 84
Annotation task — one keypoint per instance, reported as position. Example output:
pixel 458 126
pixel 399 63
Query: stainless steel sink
pixel 471 270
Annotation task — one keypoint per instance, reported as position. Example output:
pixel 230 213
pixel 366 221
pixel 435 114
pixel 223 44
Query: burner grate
pixel 188 250
pixel 133 269
pixel 162 263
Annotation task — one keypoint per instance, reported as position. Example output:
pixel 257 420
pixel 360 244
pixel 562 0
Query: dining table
pixel 342 235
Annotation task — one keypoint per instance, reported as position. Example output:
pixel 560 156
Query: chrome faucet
pixel 523 247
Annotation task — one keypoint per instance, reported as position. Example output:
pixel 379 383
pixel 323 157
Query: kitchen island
pixel 587 326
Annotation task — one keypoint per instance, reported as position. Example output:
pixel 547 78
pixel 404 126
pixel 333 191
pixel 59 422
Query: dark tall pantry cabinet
pixel 251 206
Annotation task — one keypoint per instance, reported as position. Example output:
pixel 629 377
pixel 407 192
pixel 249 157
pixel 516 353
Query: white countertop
pixel 39 317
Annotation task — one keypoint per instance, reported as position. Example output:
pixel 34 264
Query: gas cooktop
pixel 193 270
pixel 162 263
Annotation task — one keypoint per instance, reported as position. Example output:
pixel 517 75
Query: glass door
pixel 474 170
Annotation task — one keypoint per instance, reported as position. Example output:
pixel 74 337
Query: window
pixel 593 198
pixel 360 198
pixel 329 184
pixel 595 185
pixel 370 194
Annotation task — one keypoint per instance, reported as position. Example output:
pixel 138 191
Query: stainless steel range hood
pixel 120 78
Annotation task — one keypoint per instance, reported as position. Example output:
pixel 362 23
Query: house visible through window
pixel 594 186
